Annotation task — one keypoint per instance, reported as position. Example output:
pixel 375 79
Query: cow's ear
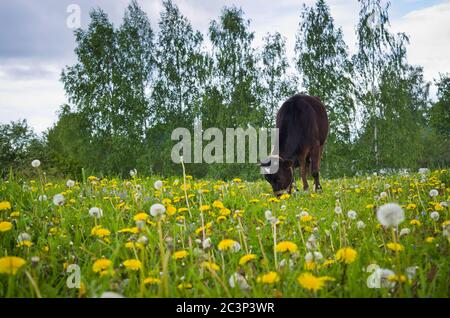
pixel 265 162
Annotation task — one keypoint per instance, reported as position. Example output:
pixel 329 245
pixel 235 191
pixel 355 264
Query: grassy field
pixel 216 239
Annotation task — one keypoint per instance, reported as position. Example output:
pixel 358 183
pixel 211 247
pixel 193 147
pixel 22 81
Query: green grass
pixel 62 235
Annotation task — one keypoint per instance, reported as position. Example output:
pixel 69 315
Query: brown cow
pixel 303 128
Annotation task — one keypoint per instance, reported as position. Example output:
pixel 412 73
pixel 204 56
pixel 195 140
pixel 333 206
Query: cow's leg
pixel 303 172
pixel 315 167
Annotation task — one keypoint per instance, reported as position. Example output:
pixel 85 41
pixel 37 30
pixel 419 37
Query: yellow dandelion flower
pixel 99 231
pixel 247 258
pixel 429 239
pixel 210 265
pixel 152 281
pixel 327 263
pixel 142 216
pixel 310 265
pixel 369 206
pixel 184 286
pixel 286 246
pixel 311 282
pixel 204 208
pixel 220 219
pixel 5 226
pixel 11 264
pixel 166 201
pixel 411 206
pixel 25 244
pixel 132 230
pixel 101 265
pixel 269 278
pixel 132 264
pixel 347 255
pixel 171 210
pixel 136 245
pixel 397 278
pixel 228 244
pixel 285 196
pixel 15 214
pixel 415 222
pixel 180 254
pixel 306 218
pixel 395 247
pixel 273 200
pixel 225 211
pixel 5 205
pixel 218 204
pixel 237 180
pixel 254 201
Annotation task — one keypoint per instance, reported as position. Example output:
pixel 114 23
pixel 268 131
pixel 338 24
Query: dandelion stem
pixel 185 189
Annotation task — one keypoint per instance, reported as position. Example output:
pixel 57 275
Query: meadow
pixel 182 237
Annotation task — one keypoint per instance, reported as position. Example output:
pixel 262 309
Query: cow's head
pixel 279 173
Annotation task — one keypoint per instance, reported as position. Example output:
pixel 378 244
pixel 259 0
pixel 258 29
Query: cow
pixel 302 124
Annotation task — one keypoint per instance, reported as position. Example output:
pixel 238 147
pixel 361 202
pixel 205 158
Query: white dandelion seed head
pixel 110 294
pixel 405 231
pixel 237 280
pixel 268 215
pixel 352 214
pixel 96 212
pixel 309 257
pixel 390 214
pixel 434 215
pixel 334 225
pixel 286 262
pixel 157 209
pixel 70 183
pixel 133 172
pixel 35 163
pixel 283 207
pixel 24 236
pixel 58 199
pixel 311 243
pixel 206 243
pixel 158 185
pixel 235 247
pixel 303 214
pixel 434 193
pixel 424 170
pixel 360 225
pixel 444 204
pixel 338 210
pixel 318 256
pixel 143 240
pixel 35 259
pixel 384 277
pixel 383 195
pixel 411 271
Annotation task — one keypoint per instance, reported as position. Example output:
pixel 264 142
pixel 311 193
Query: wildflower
pixel 311 282
pixel 5 205
pixel 390 214
pixel 404 231
pixel 360 225
pixel 269 278
pixel 132 264
pixel 238 280
pixel 311 243
pixel 100 232
pixel 228 244
pixel 346 255
pixel 415 222
pixel 70 183
pixel 306 218
pixel 101 265
pixel 152 281
pixel 395 247
pixel 136 245
pixel 218 204
pixel 210 265
pixel 158 185
pixel 204 208
pixel 58 199
pixel 411 206
pixel 383 195
pixel 338 210
pixel 5 226
pixel 180 254
pixel 110 294
pixel 316 256
pixel 184 286
pixel 142 216
pixel 35 163
pixel 434 215
pixel 11 264
pixel 351 214
pixel 96 212
pixel 42 198
pixel 286 246
pixel 206 243
pixel 247 258
pixel 434 193
pixel 157 209
pixel 429 239
pixel 23 237
pixel 133 173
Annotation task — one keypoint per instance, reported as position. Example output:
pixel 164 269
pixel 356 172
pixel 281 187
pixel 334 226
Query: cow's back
pixel 302 122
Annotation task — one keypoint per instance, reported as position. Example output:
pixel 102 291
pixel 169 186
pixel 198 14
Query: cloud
pixel 429 33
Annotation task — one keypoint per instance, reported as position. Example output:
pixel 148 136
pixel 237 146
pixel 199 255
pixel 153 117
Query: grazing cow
pixel 302 124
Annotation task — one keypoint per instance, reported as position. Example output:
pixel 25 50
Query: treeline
pixel 132 86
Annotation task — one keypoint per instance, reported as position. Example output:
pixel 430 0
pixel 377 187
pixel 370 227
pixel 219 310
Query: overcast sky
pixel 35 42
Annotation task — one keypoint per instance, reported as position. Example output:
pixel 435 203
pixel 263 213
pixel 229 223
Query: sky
pixel 36 42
